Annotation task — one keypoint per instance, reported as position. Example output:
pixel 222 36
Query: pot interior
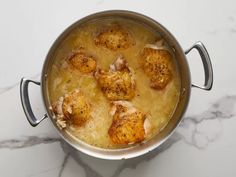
pixel 157 140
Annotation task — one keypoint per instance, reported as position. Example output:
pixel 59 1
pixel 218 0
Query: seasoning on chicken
pixel 117 83
pixel 72 108
pixel 156 63
pixel 128 125
pixel 114 37
pixel 82 61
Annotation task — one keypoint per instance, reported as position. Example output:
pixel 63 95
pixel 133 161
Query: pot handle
pixel 206 64
pixel 24 95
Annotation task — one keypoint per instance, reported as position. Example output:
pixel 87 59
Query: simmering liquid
pixel 158 104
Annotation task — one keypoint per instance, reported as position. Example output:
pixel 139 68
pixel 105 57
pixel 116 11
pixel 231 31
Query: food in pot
pixel 155 60
pixel 114 37
pixel 117 83
pixel 72 108
pixel 114 83
pixel 128 123
pixel 82 61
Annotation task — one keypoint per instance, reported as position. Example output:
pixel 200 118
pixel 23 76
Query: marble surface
pixel 204 143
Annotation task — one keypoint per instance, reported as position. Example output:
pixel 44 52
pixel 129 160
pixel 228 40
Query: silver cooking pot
pixel 157 140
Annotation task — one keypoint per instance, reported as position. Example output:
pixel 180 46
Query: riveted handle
pixel 206 64
pixel 24 94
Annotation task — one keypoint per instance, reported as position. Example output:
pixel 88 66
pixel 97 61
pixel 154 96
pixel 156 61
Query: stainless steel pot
pixel 156 141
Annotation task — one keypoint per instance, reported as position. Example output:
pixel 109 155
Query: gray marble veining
pixel 222 109
pixel 63 164
pixel 73 153
pixel 7 88
pixel 27 142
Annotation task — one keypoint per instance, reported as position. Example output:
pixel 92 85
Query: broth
pixel 158 104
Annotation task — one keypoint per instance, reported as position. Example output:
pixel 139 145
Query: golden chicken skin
pixel 83 62
pixel 117 83
pixel 114 37
pixel 128 125
pixel 156 63
pixel 72 108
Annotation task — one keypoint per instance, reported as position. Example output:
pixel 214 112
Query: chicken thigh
pixel 128 125
pixel 156 63
pixel 114 37
pixel 72 108
pixel 117 83
pixel 82 61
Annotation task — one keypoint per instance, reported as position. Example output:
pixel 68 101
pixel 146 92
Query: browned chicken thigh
pixel 117 83
pixel 156 63
pixel 114 37
pixel 83 62
pixel 72 108
pixel 128 125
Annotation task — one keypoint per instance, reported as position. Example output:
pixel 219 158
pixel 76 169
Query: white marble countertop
pixel 203 145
